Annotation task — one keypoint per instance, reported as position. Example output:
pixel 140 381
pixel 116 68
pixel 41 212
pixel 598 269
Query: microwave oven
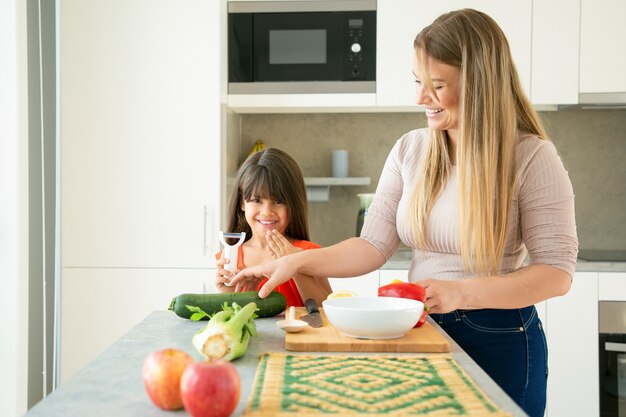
pixel 283 47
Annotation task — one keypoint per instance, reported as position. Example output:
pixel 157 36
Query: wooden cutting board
pixel 328 339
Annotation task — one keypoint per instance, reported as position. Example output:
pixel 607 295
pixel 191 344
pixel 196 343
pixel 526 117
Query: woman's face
pixel 442 110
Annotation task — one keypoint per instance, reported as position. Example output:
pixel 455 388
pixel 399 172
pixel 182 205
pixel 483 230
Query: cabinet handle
pixel 615 347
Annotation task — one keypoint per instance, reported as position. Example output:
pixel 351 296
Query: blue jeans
pixel 509 345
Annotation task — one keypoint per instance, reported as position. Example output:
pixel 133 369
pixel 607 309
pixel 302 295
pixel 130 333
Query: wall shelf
pixel 318 188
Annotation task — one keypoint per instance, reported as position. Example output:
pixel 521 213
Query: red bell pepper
pixel 410 290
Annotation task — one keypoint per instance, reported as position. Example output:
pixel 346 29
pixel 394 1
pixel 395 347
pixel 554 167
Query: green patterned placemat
pixel 391 386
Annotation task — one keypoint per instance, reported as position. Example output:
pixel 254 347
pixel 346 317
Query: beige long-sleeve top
pixel 541 219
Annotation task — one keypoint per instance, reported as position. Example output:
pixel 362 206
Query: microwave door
pixel 297 47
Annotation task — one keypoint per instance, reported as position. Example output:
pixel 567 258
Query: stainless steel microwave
pixel 282 47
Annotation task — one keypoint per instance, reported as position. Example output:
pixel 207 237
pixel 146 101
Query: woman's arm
pixel 316 288
pixel 349 258
pixel 524 287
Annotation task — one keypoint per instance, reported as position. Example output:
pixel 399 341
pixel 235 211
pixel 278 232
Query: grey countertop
pixel 402 260
pixel 111 384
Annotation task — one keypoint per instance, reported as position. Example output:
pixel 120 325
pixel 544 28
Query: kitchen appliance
pixel 328 339
pixel 612 339
pixel 302 47
pixel 231 251
pixel 313 318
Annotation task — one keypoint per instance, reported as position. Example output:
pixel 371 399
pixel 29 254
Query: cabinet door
pixel 602 58
pixel 612 286
pixel 364 285
pixel 388 275
pixel 99 305
pixel 399 21
pixel 573 349
pixel 555 53
pixel 140 132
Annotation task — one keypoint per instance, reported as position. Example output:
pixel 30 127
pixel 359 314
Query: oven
pixel 612 338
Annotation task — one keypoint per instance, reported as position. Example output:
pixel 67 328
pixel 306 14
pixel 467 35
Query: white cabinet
pixel 602 57
pixel 101 304
pixel 364 285
pixel 555 52
pixel 572 336
pixel 399 21
pixel 388 275
pixel 140 96
pixel 612 286
pixel 140 133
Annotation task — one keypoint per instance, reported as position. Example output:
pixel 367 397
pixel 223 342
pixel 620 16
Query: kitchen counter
pixel 111 385
pixel 401 260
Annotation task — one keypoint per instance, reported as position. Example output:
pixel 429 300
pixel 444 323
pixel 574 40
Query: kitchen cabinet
pixel 140 139
pixel 555 52
pixel 388 275
pixel 572 337
pixel 399 21
pixel 102 304
pixel 140 133
pixel 364 285
pixel 612 286
pixel 602 34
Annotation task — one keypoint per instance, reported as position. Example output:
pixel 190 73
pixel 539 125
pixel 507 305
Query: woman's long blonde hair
pixel 493 111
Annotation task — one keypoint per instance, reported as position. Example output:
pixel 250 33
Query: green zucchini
pixel 270 306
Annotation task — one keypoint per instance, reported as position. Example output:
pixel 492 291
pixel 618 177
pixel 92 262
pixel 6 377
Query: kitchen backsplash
pixel 592 144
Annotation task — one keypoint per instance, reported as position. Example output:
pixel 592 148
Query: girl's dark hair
pixel 270 173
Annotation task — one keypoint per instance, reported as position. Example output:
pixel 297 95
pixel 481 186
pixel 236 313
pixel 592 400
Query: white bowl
pixel 373 317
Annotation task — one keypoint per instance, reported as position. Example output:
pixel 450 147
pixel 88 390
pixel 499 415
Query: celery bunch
pixel 227 333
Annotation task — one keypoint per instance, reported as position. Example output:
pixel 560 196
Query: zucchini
pixel 270 306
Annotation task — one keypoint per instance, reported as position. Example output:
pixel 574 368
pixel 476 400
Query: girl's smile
pixel 264 214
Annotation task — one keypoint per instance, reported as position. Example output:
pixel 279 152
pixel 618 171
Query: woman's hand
pixel 278 245
pixel 278 272
pixel 224 276
pixel 442 296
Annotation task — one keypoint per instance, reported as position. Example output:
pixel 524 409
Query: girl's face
pixel 442 111
pixel 263 214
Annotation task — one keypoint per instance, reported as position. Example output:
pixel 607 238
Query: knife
pixel 313 318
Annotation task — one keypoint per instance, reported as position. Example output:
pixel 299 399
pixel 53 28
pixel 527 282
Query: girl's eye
pixel 438 87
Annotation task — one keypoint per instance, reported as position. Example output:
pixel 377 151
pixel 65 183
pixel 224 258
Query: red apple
pixel 162 371
pixel 210 389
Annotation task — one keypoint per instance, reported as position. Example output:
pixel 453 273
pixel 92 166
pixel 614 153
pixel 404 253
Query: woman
pixel 472 194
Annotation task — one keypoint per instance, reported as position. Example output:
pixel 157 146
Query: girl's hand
pixel 443 296
pixel 278 245
pixel 223 276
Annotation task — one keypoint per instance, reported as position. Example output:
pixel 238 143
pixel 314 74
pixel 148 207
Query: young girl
pixel 269 204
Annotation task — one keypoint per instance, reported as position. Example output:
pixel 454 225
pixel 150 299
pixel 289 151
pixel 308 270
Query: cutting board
pixel 327 338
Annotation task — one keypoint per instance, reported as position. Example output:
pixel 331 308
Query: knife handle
pixel 311 306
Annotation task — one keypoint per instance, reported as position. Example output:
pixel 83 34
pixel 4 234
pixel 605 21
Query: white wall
pixel 13 209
